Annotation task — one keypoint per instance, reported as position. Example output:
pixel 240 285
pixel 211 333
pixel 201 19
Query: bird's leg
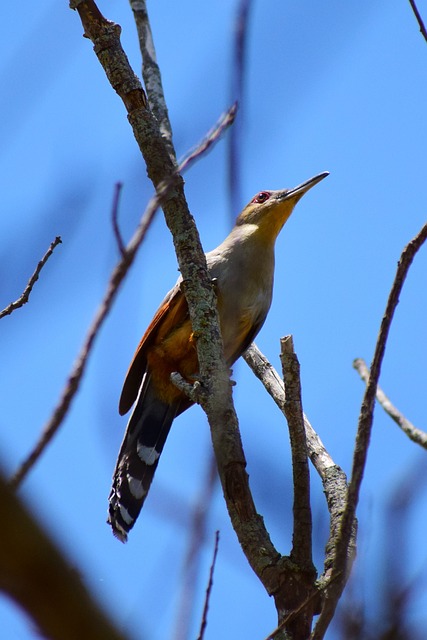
pixel 193 390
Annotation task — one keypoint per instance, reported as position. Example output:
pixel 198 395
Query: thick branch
pixel 415 434
pixel 35 574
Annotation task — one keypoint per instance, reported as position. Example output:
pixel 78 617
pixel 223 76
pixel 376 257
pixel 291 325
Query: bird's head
pixel 269 210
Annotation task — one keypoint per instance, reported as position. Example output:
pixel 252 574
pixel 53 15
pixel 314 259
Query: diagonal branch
pixel 23 299
pixel 34 572
pixel 416 435
pixel 128 255
pixel 363 438
pixel 79 366
pixel 417 14
pixel 204 622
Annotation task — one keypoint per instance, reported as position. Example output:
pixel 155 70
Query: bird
pixel 242 269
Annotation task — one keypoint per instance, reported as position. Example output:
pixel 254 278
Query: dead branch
pixel 342 560
pixel 23 299
pixel 416 435
pixel 417 14
pixel 151 72
pixel 115 218
pixel 209 590
pixel 238 76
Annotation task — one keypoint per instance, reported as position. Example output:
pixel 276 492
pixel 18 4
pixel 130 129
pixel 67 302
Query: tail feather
pixel 144 439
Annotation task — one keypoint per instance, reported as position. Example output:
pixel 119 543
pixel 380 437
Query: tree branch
pixel 35 574
pixel 114 218
pixel 333 477
pixel 342 559
pixel 415 434
pixel 23 299
pixel 151 72
pixel 238 75
pixel 79 366
pixel 255 541
pixel 302 536
pixel 208 590
pixel 117 277
pixel 417 14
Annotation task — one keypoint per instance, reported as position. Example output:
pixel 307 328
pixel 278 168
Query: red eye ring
pixel 261 197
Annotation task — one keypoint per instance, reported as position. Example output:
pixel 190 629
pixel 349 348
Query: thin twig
pixel 151 72
pixel 363 438
pixel 416 435
pixel 23 299
pixel 302 533
pixel 116 279
pixel 79 366
pixel 419 19
pixel 115 216
pixel 238 74
pixel 225 121
pixel 209 590
pixel 197 538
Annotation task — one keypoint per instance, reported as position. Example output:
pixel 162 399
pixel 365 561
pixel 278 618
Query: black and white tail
pixel 144 439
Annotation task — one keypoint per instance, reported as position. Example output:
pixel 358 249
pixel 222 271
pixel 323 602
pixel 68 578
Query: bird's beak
pixel 297 192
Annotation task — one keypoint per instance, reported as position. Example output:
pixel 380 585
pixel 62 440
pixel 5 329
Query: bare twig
pixel 238 73
pixel 116 279
pixel 225 121
pixel 415 434
pixel 197 537
pixel 79 366
pixel 36 575
pixel 209 590
pixel 342 559
pixel 151 72
pixel 23 299
pixel 417 14
pixel 302 535
pixel 114 218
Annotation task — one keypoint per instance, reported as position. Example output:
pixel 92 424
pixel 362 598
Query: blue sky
pixel 330 86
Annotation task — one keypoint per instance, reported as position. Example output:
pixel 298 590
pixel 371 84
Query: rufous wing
pixel 172 312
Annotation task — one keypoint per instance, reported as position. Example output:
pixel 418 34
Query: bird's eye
pixel 261 197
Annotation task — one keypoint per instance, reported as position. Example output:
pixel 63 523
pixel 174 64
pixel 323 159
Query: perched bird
pixel 243 268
